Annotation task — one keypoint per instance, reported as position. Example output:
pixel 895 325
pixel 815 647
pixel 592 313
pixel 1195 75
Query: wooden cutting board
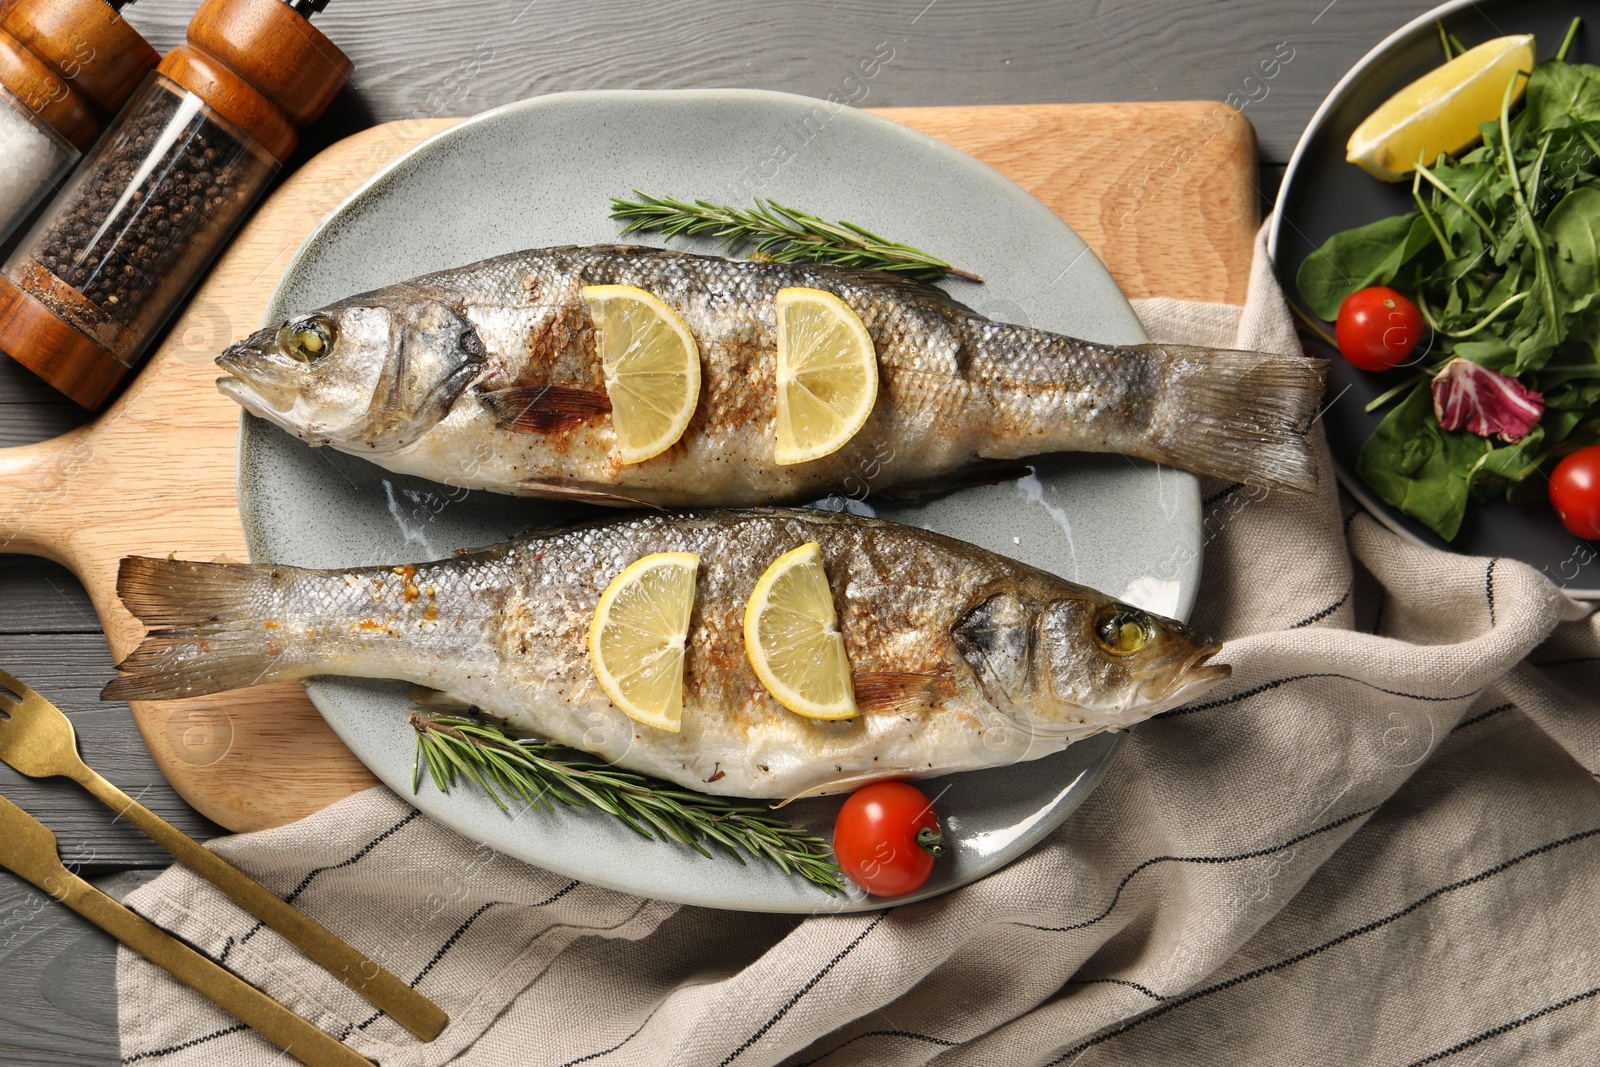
pixel 1164 193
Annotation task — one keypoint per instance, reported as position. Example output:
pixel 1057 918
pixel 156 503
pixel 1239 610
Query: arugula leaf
pixel 1494 354
pixel 1506 466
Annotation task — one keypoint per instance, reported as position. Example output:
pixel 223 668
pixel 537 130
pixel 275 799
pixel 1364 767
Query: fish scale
pixel 960 658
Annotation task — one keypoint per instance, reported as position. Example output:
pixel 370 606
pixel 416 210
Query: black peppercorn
pixel 120 250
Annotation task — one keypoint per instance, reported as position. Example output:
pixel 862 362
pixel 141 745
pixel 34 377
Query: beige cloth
pixel 1379 843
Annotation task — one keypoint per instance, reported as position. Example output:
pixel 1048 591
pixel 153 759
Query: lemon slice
pixel 827 374
pixel 637 637
pixel 791 635
pixel 1440 111
pixel 652 368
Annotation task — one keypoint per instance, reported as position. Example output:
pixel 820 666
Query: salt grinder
pixel 66 66
pixel 159 195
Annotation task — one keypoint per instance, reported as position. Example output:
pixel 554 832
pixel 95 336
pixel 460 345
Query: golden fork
pixel 28 849
pixel 37 740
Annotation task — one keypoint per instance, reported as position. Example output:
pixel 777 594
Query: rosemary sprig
pixel 782 234
pixel 454 748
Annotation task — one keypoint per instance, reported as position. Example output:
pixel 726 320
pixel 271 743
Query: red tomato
pixel 1575 492
pixel 1377 328
pixel 886 837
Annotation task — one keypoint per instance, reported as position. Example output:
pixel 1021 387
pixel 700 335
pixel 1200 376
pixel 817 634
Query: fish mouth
pixel 249 391
pixel 1190 677
pixel 1196 666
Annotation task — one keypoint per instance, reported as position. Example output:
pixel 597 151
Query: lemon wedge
pixel 1440 111
pixel 636 640
pixel 652 368
pixel 791 635
pixel 827 374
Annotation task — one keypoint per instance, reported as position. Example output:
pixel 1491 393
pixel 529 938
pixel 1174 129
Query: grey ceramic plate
pixel 1322 194
pixel 540 173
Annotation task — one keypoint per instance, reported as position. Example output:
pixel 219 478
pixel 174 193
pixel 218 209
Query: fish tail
pixel 208 629
pixel 1242 416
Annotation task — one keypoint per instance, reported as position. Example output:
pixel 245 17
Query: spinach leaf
pixel 1574 228
pixel 1415 466
pixel 1558 88
pixel 1367 255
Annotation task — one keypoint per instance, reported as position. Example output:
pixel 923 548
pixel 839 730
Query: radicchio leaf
pixel 1469 396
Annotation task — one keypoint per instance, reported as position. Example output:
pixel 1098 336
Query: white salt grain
pixel 30 160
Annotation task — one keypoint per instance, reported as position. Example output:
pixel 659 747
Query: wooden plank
pixel 39 597
pixel 58 995
pixel 30 410
pixel 422 58
pixel 69 669
pixel 155 474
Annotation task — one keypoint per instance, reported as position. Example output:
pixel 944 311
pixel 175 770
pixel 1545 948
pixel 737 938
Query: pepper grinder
pixel 160 194
pixel 65 67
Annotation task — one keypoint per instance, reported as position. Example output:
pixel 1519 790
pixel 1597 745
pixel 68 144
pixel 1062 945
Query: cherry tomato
pixel 886 838
pixel 1575 492
pixel 1377 328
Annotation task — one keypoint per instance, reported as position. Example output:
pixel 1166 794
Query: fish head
pixel 369 374
pixel 1082 661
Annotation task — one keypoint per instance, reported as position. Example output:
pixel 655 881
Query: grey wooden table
pixel 446 57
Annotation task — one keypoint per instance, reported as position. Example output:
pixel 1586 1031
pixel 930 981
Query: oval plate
pixel 541 173
pixel 1322 195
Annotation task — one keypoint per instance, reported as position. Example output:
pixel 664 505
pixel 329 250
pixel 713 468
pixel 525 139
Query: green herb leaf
pixel 1367 255
pixel 1508 464
pixel 1557 89
pixel 1419 468
pixel 540 773
pixel 783 234
pixel 1574 229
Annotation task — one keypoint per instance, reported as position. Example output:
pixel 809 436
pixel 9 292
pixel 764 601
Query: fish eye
pixel 1122 632
pixel 307 340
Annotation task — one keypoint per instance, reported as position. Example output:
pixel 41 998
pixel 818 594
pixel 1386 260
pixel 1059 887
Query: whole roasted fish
pixel 488 376
pixel 960 658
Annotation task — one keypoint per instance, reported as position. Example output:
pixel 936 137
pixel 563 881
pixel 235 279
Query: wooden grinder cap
pixel 262 65
pixel 46 94
pixel 85 42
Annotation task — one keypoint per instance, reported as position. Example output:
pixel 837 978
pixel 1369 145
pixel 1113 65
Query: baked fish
pixel 488 377
pixel 960 658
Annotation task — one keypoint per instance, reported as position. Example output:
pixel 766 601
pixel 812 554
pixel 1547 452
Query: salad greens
pixel 1502 256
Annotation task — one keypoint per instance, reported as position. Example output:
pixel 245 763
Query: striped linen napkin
pixel 1379 843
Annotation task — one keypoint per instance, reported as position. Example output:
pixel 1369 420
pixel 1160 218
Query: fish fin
pixel 879 691
pixel 582 494
pixel 543 408
pixel 435 700
pixel 984 472
pixel 203 635
pixel 1242 415
pixel 833 785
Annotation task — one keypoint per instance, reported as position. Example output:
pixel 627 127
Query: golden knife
pixel 28 849
pixel 37 740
